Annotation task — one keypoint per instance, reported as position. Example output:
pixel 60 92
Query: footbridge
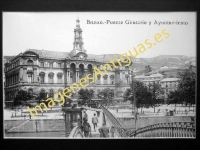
pixel 117 130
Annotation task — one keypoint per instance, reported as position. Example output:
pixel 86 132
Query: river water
pixel 36 134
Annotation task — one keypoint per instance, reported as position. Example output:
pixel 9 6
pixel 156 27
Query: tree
pixel 156 90
pixel 143 96
pixel 174 98
pixel 185 92
pixel 187 85
pixel 21 98
pixel 85 96
pixel 147 69
pixel 107 95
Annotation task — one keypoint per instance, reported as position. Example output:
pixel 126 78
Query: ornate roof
pixel 62 55
pixel 50 54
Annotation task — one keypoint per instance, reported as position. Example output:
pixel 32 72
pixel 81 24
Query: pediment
pixel 30 53
pixel 81 55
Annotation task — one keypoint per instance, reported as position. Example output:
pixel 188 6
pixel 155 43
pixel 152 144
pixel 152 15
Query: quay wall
pixel 40 125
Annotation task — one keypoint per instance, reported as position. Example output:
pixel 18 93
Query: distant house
pixel 170 72
pixel 150 78
pixel 169 84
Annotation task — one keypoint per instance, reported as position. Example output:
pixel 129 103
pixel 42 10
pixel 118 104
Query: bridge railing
pixel 116 127
pixel 174 129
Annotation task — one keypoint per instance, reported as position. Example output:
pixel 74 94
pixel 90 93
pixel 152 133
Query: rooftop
pixel 152 75
pixel 170 79
pixel 65 55
pixel 151 80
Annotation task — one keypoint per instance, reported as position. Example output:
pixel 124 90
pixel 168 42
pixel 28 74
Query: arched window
pixel 42 94
pixel 46 64
pixel 105 77
pixel 59 75
pixel 51 75
pixel 112 79
pixel 29 62
pixel 54 65
pixel 42 75
pixel 98 81
pixel 41 64
pixel 30 76
pixel 51 93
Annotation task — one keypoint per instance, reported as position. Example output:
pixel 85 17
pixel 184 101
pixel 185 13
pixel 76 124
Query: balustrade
pixel 175 129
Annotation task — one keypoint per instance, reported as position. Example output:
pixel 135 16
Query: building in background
pixel 148 79
pixel 42 71
pixel 169 84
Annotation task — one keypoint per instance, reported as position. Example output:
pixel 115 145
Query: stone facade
pixel 169 84
pixel 42 71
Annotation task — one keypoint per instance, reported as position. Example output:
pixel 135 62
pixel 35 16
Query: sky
pixel 55 31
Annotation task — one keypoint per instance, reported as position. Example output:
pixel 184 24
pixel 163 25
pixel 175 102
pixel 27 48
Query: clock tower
pixel 78 48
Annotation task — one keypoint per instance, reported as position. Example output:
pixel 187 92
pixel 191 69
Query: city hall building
pixel 42 71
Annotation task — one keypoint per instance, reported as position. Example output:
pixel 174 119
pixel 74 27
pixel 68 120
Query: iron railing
pixel 116 127
pixel 173 129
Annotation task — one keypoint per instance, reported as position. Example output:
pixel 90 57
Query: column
pixel 46 77
pixel 20 74
pixel 35 75
pixel 25 75
pixel 85 74
pixel 55 78
pixel 77 75
pixel 93 75
pixel 120 77
pixel 101 79
pixel 108 79
pixel 68 75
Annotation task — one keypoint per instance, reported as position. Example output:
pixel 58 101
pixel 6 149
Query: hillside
pixel 179 61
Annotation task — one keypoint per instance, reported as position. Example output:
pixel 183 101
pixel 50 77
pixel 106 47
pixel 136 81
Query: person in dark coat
pixel 104 131
pixel 85 116
pixel 86 128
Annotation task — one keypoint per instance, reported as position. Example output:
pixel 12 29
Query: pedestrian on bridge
pixel 86 128
pixel 85 116
pixel 94 121
pixel 104 131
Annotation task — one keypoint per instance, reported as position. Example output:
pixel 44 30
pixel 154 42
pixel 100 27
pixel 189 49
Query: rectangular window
pixel 112 82
pixel 29 78
pixel 59 65
pixel 98 81
pixel 105 81
pixel 59 79
pixel 50 78
pixel 41 79
pixel 51 65
pixel 41 64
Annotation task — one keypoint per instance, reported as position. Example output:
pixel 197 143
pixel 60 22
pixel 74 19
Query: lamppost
pixel 134 100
